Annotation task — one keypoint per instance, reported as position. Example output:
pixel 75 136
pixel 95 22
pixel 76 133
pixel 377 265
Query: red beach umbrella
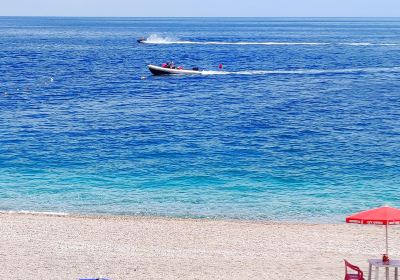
pixel 380 216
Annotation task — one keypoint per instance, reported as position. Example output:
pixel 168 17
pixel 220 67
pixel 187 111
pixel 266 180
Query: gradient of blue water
pixel 298 132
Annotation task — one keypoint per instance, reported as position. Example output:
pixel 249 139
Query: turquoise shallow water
pixel 301 124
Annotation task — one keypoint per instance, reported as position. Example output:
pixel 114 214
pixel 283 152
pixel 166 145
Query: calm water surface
pixel 303 122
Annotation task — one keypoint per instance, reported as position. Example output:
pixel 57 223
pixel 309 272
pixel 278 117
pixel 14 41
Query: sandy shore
pixel 73 247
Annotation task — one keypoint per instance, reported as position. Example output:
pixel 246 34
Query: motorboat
pixel 158 70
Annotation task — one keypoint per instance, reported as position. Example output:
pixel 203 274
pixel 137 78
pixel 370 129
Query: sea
pixel 302 123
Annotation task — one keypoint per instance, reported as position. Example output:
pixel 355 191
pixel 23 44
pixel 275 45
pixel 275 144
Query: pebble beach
pixel 39 246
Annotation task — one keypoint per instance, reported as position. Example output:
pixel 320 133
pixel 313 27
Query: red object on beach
pixel 385 258
pixel 380 216
pixel 352 276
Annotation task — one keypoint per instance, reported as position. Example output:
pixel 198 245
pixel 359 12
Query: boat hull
pixel 157 71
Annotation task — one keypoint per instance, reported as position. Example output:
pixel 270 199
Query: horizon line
pixel 88 16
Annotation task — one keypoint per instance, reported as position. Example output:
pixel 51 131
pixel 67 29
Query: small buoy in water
pixel 220 66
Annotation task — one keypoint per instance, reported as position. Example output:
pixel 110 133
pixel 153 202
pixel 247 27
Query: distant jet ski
pixel 157 71
pixel 141 40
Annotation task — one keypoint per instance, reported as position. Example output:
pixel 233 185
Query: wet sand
pixel 38 246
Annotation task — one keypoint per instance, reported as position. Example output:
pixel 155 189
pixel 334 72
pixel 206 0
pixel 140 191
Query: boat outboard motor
pixel 195 68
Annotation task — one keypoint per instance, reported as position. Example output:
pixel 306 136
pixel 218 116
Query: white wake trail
pixel 156 39
pixel 305 71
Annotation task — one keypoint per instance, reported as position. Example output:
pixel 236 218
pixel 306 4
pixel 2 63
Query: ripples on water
pixel 302 123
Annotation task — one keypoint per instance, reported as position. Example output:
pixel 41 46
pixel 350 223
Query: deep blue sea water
pixel 303 122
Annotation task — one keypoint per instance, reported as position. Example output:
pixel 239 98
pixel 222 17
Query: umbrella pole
pixel 387 250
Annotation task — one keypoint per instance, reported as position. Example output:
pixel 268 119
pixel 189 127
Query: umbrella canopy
pixel 380 216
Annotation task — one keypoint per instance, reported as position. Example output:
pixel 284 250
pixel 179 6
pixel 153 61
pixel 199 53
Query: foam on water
pixel 36 213
pixel 305 71
pixel 157 39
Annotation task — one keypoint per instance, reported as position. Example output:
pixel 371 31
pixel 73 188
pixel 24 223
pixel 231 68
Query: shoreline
pixel 161 217
pixel 129 217
pixel 40 246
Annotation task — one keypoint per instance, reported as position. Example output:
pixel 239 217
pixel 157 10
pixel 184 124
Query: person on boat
pixel 166 64
pixel 171 65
